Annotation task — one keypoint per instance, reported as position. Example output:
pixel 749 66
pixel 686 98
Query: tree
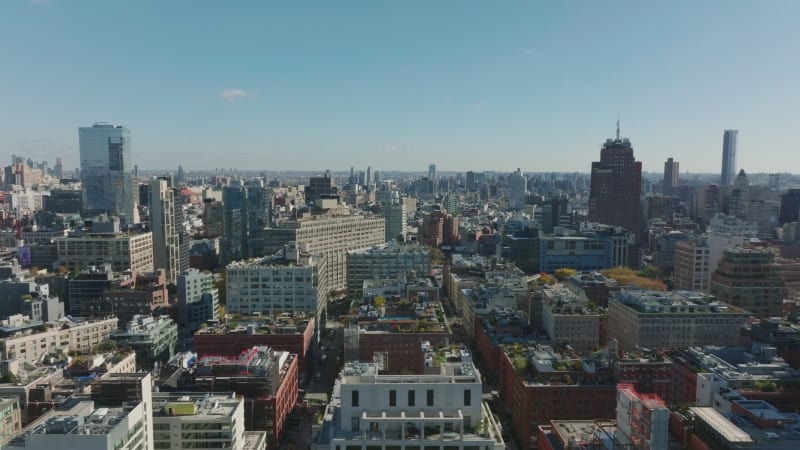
pixel 380 301
pixel 625 276
pixel 437 256
pixel 564 273
pixel 221 283
pixel 520 364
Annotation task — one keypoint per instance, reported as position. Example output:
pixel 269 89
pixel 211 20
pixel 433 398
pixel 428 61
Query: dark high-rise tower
pixel 106 171
pixel 670 176
pixel 247 212
pixel 616 186
pixel 790 206
pixel 729 157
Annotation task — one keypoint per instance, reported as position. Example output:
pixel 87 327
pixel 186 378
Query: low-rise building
pixel 294 334
pixel 215 420
pixel 387 261
pixel 591 250
pixel 152 338
pixel 10 418
pixel 31 341
pixel 140 294
pixel 675 319
pixel 568 319
pixel 87 427
pixel 267 379
pixel 434 411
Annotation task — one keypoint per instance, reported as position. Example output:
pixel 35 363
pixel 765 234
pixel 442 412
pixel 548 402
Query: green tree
pixel 437 256
pixel 220 284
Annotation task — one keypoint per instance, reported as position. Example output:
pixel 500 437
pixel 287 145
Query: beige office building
pixel 124 251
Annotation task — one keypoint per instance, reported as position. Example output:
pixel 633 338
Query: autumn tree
pixel 564 273
pixel 625 276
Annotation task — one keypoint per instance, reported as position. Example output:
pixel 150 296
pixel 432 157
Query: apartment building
pixel 330 236
pixel 291 282
pixel 440 410
pixel 152 338
pixel 385 262
pixel 124 251
pixel 32 341
pixel 568 320
pixel 213 420
pixel 748 279
pixel 675 319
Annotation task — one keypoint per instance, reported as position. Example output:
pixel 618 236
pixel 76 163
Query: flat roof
pixel 723 426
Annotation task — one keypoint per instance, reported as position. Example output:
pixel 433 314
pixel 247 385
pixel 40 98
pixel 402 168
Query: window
pixel 393 398
pixel 467 397
pixel 411 398
pixel 430 397
pixel 354 398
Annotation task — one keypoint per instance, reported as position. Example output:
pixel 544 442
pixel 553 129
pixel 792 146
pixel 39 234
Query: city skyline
pixel 403 86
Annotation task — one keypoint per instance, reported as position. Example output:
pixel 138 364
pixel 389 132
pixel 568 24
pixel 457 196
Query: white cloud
pixel 231 95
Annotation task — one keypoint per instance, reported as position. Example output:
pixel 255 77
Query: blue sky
pixel 401 84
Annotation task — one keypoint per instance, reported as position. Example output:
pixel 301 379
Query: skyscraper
pixel 106 168
pixel 670 176
pixel 616 185
pixel 432 171
pixel 517 188
pixel 164 224
pixel 247 211
pixel 729 157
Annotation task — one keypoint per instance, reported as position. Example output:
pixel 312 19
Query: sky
pixel 397 85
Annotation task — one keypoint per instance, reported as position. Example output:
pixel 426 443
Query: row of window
pixel 411 399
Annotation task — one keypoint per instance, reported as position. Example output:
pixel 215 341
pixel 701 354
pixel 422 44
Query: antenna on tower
pixel 617 126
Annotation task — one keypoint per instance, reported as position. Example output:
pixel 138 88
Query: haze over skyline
pixel 399 85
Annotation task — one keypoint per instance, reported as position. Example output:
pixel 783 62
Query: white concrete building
pixel 215 420
pixel 388 261
pixel 88 428
pixel 436 411
pixel 642 420
pixel 273 285
pixel 330 236
pixel 198 299
pixel 723 224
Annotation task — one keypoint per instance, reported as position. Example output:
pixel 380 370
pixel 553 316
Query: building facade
pixel 31 342
pixel 198 299
pixel 274 285
pixel 124 252
pixel 616 186
pixel 152 338
pixel 385 262
pixel 106 171
pixel 165 226
pixel 441 410
pixel 331 237
pixel 729 139
pixel 567 319
pixel 748 279
pixel 675 319
pixel 671 172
